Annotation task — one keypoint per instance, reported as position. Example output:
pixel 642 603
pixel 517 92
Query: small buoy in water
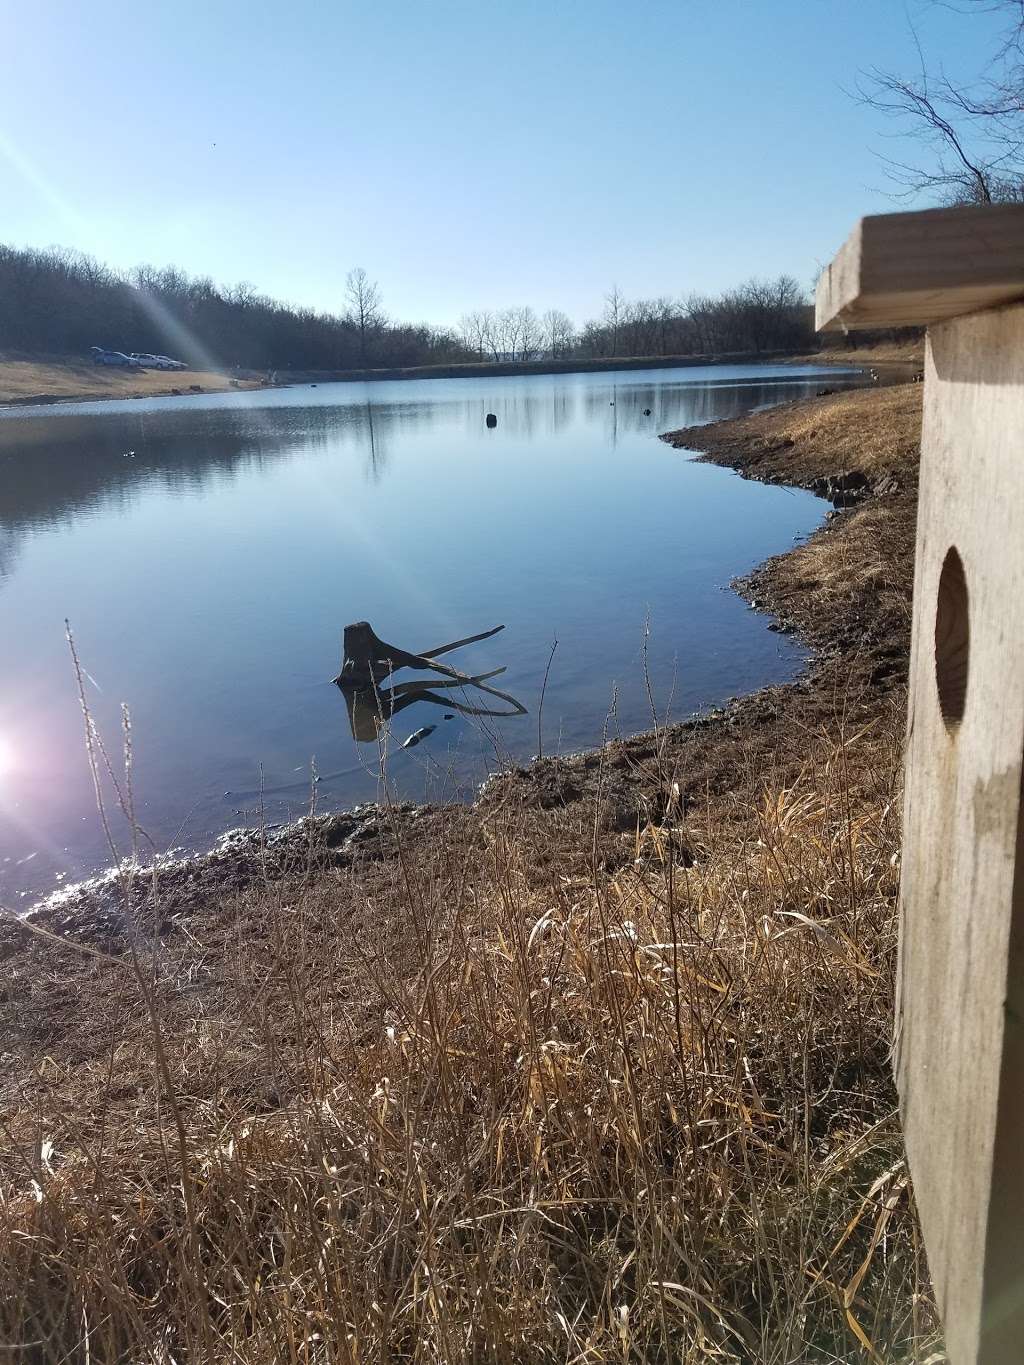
pixel 491 419
pixel 417 735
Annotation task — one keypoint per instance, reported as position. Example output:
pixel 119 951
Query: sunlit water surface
pixel 208 552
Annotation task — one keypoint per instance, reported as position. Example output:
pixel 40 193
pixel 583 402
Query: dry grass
pixel 47 380
pixel 477 1112
pixel 877 353
pixel 875 431
pixel 850 590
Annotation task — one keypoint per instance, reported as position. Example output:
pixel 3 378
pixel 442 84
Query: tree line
pixel 761 315
pixel 62 302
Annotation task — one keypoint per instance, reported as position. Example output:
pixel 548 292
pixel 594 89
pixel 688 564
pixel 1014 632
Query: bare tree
pixel 506 334
pixel 973 132
pixel 593 339
pixel 614 306
pixel 364 307
pixel 490 340
pixel 665 315
pixel 641 327
pixel 558 333
pixel 759 315
pixel 530 334
pixel 474 330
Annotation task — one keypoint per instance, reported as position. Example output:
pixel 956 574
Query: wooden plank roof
pixel 912 269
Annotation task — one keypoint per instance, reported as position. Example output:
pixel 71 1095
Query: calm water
pixel 209 551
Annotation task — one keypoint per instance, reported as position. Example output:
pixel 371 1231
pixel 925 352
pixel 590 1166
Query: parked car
pixel 101 356
pixel 157 362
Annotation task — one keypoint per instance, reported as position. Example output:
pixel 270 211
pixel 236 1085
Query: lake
pixel 209 550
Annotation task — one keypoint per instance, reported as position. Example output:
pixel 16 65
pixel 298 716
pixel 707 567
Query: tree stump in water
pixel 368 660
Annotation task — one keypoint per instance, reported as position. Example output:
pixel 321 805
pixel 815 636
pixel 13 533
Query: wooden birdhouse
pixel 959 1034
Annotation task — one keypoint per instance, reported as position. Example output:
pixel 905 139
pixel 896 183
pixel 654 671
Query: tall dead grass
pixel 874 431
pixel 476 1112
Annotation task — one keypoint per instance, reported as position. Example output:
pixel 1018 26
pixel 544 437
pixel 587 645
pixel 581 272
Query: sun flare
pixel 6 755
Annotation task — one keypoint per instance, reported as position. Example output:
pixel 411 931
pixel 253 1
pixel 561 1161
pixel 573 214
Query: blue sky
pixel 466 154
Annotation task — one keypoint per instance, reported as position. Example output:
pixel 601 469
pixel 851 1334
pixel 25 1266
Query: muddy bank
pixel 104 909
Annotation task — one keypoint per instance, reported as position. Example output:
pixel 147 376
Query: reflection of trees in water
pixel 8 550
pixel 656 407
pixel 53 466
pixel 521 413
pixel 561 409
pixel 377 455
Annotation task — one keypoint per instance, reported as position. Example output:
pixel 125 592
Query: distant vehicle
pixel 158 362
pixel 100 356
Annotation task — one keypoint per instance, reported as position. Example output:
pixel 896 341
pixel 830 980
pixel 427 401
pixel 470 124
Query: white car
pixel 150 361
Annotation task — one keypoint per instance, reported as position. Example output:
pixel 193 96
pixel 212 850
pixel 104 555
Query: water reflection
pixel 376 440
pixel 647 408
pixel 371 709
pixel 57 462
pixel 196 541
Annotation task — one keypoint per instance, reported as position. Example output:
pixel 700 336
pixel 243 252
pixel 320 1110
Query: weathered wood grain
pixel 960 1006
pixel 913 269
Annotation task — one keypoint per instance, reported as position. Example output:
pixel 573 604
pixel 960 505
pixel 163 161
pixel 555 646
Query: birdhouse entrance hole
pixel 952 639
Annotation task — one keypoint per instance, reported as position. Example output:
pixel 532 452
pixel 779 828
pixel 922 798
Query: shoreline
pixel 868 504
pixel 491 369
pixel 193 383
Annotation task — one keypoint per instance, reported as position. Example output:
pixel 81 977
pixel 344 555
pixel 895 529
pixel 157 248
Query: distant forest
pixel 60 302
